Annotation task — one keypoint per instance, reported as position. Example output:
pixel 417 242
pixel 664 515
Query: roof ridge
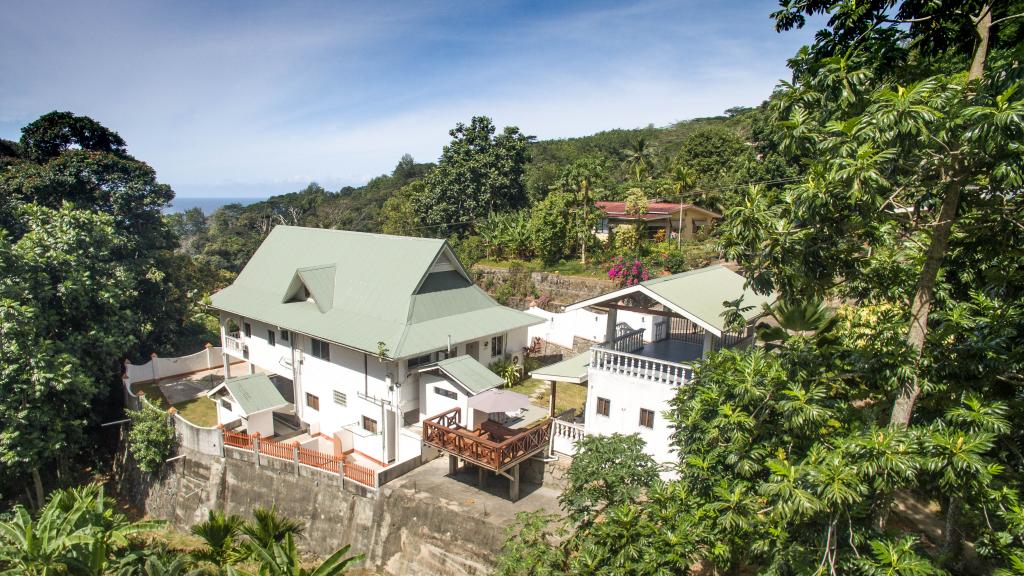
pixel 361 233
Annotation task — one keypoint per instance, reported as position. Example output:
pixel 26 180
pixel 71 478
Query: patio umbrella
pixel 496 400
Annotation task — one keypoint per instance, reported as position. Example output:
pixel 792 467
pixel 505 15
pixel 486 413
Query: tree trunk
pixel 38 481
pixel 585 185
pixel 920 308
pixel 950 535
pixel 903 408
pixel 981 26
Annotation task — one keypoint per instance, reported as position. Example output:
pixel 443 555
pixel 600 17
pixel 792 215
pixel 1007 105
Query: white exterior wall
pixel 627 396
pixel 277 358
pixel 433 403
pixel 261 423
pixel 562 327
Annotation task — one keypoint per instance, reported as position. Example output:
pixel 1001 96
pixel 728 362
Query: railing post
pixel 220 428
pixel 256 447
pixel 295 455
pixel 152 360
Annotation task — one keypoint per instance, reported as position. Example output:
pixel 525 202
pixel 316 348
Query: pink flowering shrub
pixel 628 272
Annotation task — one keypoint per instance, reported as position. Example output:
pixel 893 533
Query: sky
pixel 249 99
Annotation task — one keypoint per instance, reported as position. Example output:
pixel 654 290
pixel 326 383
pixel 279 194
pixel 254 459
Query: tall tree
pixel 479 173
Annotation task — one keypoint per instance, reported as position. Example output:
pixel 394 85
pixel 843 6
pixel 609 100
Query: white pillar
pixel 227 365
pixel 709 344
pixel 252 368
pixel 612 320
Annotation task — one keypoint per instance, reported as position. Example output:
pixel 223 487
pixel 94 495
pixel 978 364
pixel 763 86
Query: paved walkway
pixel 178 389
pixel 460 493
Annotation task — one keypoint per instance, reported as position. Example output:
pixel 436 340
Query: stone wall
pixel 412 526
pixel 561 289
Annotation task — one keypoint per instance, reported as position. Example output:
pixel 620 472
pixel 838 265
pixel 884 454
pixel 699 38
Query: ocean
pixel 207 205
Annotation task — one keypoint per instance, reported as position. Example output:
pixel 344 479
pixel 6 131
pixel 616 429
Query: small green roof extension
pixel 572 370
pixel 357 289
pixel 253 393
pixel 466 371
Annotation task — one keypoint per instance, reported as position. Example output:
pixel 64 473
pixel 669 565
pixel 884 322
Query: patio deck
pixel 679 351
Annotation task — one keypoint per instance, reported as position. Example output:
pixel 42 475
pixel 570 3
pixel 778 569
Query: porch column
pixel 513 488
pixel 609 329
pixel 252 368
pixel 227 365
pixel 709 344
pixel 551 402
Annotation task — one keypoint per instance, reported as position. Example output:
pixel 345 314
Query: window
pixel 647 418
pixel 284 335
pixel 225 404
pixel 312 401
pixel 321 349
pixel 604 406
pixel 340 398
pixel 420 360
pixel 271 337
pixel 497 346
pixel 370 425
pixel 602 226
pixel 446 393
pixel 248 329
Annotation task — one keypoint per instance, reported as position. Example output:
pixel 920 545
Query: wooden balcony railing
pixel 641 367
pixel 492 446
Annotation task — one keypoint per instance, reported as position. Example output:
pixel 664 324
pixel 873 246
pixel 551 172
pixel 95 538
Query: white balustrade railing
pixel 564 436
pixel 233 344
pixel 641 367
pixel 629 342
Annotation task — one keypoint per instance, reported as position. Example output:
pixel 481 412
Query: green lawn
pixel 567 395
pixel 200 411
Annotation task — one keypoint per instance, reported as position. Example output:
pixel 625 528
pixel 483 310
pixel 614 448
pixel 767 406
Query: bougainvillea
pixel 628 272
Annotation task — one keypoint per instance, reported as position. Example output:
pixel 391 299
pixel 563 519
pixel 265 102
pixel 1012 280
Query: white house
pixel 352 319
pixel 632 375
pixel 251 400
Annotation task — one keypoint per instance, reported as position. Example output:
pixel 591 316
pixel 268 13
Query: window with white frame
pixel 271 337
pixel 340 398
pixel 497 346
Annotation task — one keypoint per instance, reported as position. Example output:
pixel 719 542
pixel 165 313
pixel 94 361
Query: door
pixel 473 349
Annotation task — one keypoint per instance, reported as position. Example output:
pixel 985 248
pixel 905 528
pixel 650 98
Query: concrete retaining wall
pixel 402 531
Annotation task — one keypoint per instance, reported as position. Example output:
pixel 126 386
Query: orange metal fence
pixel 293 452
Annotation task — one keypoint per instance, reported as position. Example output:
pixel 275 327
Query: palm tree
pixel 220 533
pixel 796 318
pixel 282 559
pixel 683 178
pixel 639 157
pixel 268 527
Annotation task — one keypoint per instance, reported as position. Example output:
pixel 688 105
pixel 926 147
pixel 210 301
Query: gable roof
pixel 253 393
pixel 655 210
pixel 410 293
pixel 465 371
pixel 698 295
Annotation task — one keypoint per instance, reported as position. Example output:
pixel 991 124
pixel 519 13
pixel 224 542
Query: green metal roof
pixel 702 293
pixel 365 289
pixel 698 294
pixel 465 370
pixel 572 370
pixel 253 393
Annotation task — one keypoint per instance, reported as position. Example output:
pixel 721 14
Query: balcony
pixel 233 344
pixel 665 361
